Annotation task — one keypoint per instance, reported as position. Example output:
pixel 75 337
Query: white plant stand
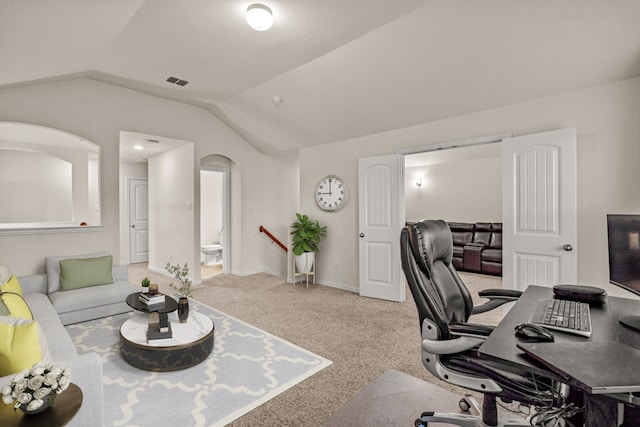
pixel 297 275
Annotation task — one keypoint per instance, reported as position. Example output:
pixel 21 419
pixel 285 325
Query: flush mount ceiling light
pixel 138 147
pixel 259 17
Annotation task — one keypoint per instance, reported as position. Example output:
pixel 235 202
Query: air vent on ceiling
pixel 177 81
pixel 153 141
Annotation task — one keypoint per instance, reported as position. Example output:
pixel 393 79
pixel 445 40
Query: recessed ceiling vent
pixel 153 141
pixel 177 81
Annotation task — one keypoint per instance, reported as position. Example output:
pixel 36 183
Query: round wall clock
pixel 331 193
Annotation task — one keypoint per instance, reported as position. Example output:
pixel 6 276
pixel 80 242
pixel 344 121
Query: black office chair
pixel 450 343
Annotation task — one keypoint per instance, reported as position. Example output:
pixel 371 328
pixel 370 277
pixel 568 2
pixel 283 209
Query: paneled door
pixel 381 217
pixel 539 209
pixel 138 220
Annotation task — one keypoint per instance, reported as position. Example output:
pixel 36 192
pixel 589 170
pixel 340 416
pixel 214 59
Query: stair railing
pixel 272 237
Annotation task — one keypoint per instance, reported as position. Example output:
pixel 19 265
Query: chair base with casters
pixel 450 343
pixel 473 419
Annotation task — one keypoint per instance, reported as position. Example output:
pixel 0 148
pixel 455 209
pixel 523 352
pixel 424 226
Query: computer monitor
pixel 624 256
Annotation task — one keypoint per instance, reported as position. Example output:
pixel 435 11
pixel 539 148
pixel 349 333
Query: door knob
pixel 133 226
pixel 361 234
pixel 567 247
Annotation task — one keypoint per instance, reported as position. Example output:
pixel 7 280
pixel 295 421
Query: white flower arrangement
pixel 31 386
pixel 181 274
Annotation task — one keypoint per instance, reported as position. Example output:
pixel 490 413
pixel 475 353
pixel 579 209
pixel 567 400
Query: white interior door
pixel 381 217
pixel 539 209
pixel 138 220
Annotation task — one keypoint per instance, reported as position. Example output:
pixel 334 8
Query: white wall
pixel 463 191
pixel 608 124
pixel 55 194
pixel 171 210
pixel 47 180
pixel 97 112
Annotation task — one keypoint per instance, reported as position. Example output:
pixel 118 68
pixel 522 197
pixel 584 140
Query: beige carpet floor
pixel 363 337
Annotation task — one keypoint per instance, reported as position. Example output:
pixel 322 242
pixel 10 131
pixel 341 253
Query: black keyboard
pixel 564 315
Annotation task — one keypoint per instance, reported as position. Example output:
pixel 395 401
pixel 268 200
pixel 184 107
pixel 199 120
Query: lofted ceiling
pixel 342 68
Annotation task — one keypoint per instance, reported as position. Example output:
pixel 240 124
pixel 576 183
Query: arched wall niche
pixel 49 180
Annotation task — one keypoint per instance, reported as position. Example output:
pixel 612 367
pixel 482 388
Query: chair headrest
pixel 431 241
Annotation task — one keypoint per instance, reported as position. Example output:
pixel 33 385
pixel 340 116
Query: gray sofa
pixel 55 309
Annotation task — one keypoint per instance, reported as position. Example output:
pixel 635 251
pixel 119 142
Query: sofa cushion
pixel 53 268
pixel 41 308
pixel 84 272
pixel 461 233
pixel 493 255
pixel 16 305
pixel 93 296
pixel 496 241
pixel 22 344
pixel 482 233
pixel 59 342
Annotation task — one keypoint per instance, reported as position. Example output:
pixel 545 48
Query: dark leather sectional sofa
pixel 477 247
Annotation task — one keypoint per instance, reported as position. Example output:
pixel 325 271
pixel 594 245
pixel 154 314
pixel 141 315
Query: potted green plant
pixel 306 237
pixel 145 284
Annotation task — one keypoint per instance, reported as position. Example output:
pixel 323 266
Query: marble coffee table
pixel 192 342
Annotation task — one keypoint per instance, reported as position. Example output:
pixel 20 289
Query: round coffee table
pixel 65 407
pixel 191 343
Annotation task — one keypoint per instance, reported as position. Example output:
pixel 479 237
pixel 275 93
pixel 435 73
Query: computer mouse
pixel 533 332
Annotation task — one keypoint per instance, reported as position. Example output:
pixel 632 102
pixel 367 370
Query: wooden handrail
pixel 272 237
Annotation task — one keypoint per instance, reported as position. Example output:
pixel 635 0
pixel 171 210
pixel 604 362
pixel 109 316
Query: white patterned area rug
pixel 247 367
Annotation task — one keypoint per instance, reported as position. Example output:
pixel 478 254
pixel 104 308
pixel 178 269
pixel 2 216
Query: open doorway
pixel 459 185
pixel 215 208
pixel 212 202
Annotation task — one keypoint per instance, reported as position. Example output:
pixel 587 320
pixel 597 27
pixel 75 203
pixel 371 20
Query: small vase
pixel 183 309
pixel 44 407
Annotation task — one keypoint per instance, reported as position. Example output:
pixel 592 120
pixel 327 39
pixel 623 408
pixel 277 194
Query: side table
pixel 65 407
pixel 312 272
pixel 170 305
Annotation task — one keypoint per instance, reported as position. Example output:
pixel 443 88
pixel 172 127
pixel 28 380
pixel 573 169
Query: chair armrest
pixel 487 293
pixel 457 345
pixel 496 297
pixel 473 330
pixel 477 244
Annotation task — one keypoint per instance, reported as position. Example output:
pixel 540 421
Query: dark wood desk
pixel 65 407
pixel 601 410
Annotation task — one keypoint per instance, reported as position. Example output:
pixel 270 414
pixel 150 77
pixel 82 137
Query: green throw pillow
pixel 84 272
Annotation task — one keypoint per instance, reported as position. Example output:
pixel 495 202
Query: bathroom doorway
pixel 213 220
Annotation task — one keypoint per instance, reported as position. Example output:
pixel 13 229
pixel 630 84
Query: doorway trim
pixel 467 142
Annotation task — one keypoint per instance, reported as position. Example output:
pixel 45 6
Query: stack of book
pixel 152 300
pixel 157 334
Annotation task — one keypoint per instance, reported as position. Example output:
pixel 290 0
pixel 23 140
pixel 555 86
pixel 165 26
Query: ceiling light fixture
pixel 138 147
pixel 259 17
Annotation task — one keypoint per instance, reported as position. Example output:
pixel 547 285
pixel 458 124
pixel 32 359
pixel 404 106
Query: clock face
pixel 331 193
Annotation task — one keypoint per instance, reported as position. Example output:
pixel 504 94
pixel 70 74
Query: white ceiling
pixel 343 69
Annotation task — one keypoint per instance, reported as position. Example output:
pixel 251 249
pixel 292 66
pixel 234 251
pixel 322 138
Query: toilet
pixel 212 253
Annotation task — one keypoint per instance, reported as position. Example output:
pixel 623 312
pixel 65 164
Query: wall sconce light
pixel 259 17
pixel 419 182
